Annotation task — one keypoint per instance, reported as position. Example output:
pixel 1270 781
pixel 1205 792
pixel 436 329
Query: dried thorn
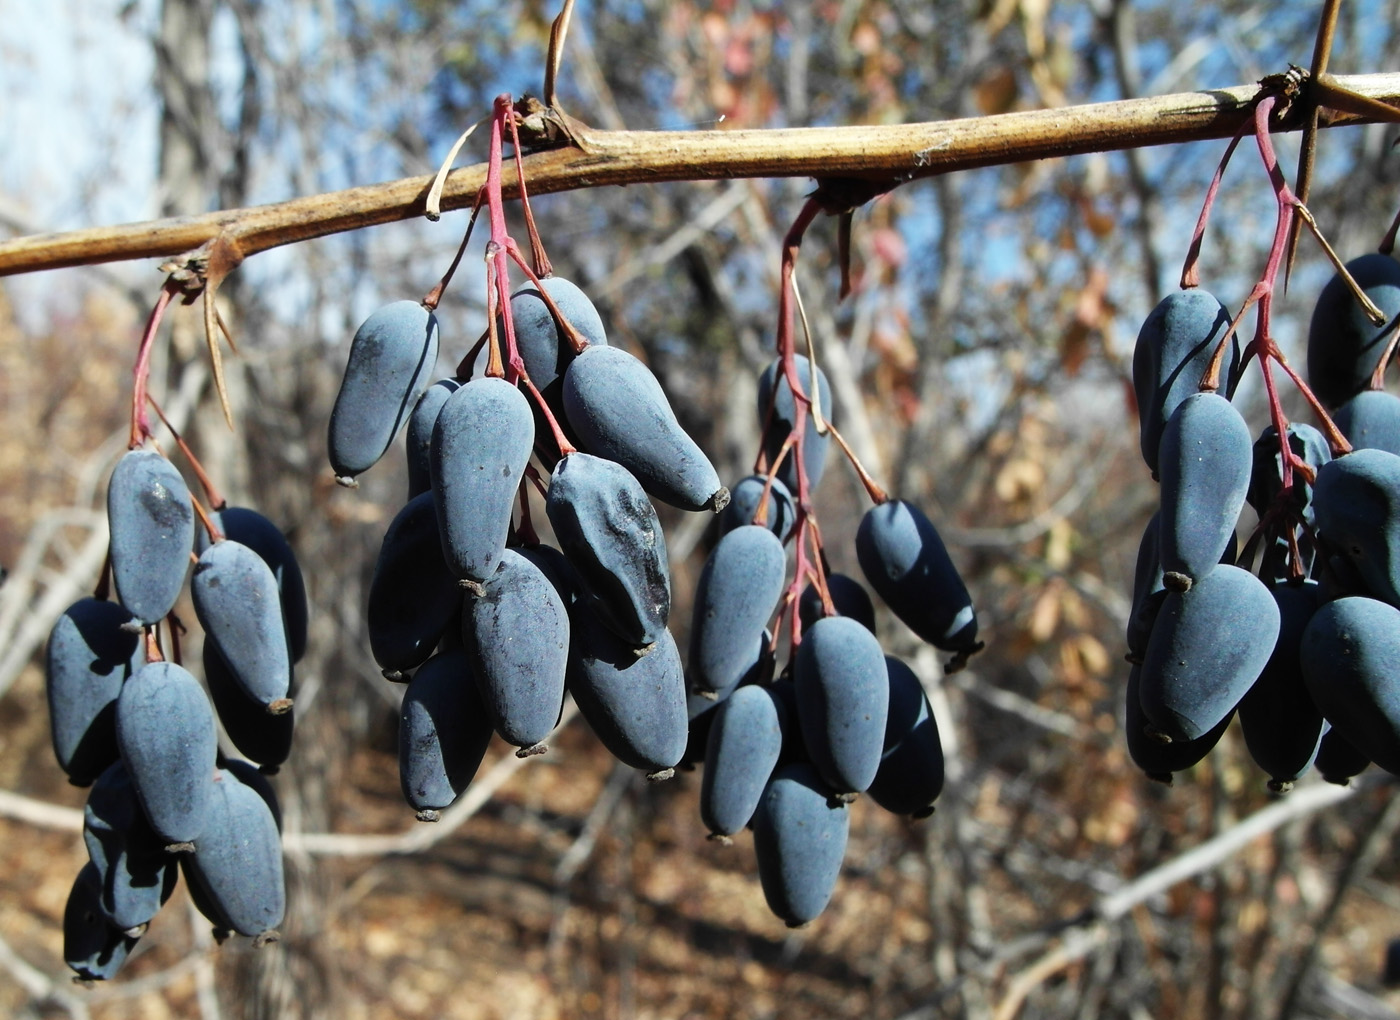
pixel 216 360
pixel 1378 373
pixel 1302 186
pixel 532 750
pixel 427 815
pixel 720 838
pixel 222 258
pixel 660 775
pixel 558 32
pixel 476 588
pixel 814 399
pixel 281 706
pixel 347 482
pixel 1334 97
pixel 843 251
pixel 184 847
pixel 433 206
pixel 1373 313
pixel 223 328
pixel 719 500
pixel 1388 241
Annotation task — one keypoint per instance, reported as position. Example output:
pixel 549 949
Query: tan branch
pixel 40 813
pixel 878 156
pixel 420 836
pixel 415 839
pixel 1095 926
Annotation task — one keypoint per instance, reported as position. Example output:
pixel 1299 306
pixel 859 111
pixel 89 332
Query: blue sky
pixel 79 118
pixel 77 127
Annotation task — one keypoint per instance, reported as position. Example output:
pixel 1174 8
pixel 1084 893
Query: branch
pixel 420 836
pixel 1215 851
pixel 40 987
pixel 417 838
pixel 40 813
pixel 854 164
pixel 1072 939
pixel 1370 844
pixel 1095 925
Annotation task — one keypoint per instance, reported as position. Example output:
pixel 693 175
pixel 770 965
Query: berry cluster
pixel 1303 644
pixel 489 626
pixel 141 730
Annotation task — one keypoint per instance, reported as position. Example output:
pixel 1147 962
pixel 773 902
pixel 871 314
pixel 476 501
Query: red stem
pixel 534 477
pixel 431 299
pixel 526 528
pixel 140 422
pixel 1190 274
pixel 500 240
pixel 211 492
pixel 576 341
pixel 542 266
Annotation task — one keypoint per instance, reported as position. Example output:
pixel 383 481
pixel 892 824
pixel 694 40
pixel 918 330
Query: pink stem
pixel 141 374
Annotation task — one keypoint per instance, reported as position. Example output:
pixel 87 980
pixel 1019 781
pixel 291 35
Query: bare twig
pixel 1076 946
pixel 1369 845
pixel 28 609
pixel 582 848
pixel 421 836
pixel 1303 801
pixel 1075 938
pixel 558 32
pixel 1086 483
pixel 862 156
pixel 696 227
pixel 1348 1000
pixel 206 991
pixel 1322 52
pixel 40 987
pixel 976 686
pixel 40 813
pixel 135 987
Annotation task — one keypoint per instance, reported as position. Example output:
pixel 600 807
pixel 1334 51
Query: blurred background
pixel 980 369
